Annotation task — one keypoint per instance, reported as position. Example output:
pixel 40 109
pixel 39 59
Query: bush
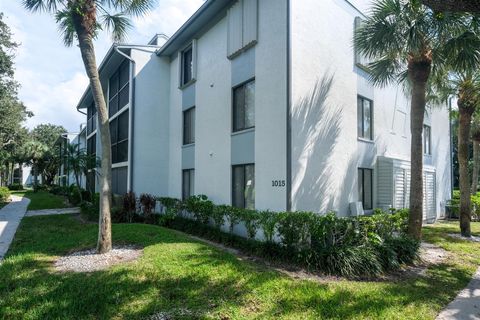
pixel 148 203
pixel 73 195
pixel 4 194
pixel 200 207
pixel 15 187
pixel 90 210
pixel 129 208
pixel 352 247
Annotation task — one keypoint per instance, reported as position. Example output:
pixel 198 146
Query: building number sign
pixel 278 183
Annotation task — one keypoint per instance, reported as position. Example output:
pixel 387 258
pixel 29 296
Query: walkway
pixel 466 305
pixel 47 212
pixel 10 217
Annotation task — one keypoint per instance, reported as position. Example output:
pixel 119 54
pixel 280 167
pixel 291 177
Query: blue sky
pixel 52 76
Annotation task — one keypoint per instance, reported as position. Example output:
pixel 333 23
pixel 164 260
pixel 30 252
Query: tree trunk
pixel 476 166
pixel 417 115
pixel 104 243
pixel 465 122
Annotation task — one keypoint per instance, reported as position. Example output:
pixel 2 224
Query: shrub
pixel 148 203
pixel 172 209
pixel 129 208
pixel 74 195
pixel 268 221
pixel 251 218
pixel 200 207
pixel 90 210
pixel 294 228
pixel 4 194
pixel 218 215
pixel 234 216
pixel 15 187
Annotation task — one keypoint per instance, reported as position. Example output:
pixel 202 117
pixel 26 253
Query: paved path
pixel 46 212
pixel 10 217
pixel 466 305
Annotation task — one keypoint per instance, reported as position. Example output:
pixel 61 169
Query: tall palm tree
pixel 81 20
pixel 475 129
pixel 34 151
pixel 404 40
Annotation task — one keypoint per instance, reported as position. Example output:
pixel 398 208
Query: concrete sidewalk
pixel 10 217
pixel 466 305
pixel 48 212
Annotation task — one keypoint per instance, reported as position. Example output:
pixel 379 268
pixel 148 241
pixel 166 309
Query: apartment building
pixel 265 104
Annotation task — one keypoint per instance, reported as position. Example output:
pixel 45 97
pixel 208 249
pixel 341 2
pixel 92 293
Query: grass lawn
pixel 42 199
pixel 190 280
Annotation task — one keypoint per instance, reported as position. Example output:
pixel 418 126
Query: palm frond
pixel 43 5
pixel 118 24
pixel 385 70
pixel 65 26
pixel 129 7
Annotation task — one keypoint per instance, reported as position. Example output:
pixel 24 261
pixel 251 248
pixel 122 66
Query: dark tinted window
pixel 187 65
pixel 244 106
pixel 189 126
pixel 243 186
pixel 119 89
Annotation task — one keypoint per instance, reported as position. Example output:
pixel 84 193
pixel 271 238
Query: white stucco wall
pixel 213 112
pixel 325 83
pixel 150 123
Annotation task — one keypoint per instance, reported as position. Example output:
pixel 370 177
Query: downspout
pixel 289 113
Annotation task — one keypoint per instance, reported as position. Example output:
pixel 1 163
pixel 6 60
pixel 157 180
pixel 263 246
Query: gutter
pixel 289 112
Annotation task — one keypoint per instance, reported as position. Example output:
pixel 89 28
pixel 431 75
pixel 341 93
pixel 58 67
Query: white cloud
pixel 52 77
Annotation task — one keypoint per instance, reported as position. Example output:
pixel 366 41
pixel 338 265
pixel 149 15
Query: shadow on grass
pixel 185 279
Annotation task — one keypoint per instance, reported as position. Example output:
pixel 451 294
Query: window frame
pixel 361 195
pixel 244 167
pixel 191 188
pixel 119 89
pixel 114 144
pixel 362 114
pixel 240 85
pixel 427 138
pixel 181 66
pixel 188 139
pixel 91 119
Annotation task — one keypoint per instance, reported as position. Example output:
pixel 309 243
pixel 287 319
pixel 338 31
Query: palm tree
pixel 81 20
pixel 465 85
pixel 34 152
pixel 404 40
pixel 475 129
pixel 76 160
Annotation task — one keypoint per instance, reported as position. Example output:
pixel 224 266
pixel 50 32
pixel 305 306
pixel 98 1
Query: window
pixel 91 118
pixel 119 89
pixel 244 106
pixel 243 186
pixel 91 151
pixel 242 26
pixel 119 138
pixel 365 117
pixel 188 183
pixel 187 65
pixel 365 188
pixel 360 59
pixel 427 140
pixel 189 126
pixel 119 180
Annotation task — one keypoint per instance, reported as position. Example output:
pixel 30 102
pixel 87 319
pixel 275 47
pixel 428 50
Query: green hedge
pixel 4 194
pixel 352 247
pixel 475 200
pixel 15 186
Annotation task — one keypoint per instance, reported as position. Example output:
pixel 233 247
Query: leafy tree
pixel 81 20
pixel 49 163
pixel 12 112
pixel 405 40
pixel 34 151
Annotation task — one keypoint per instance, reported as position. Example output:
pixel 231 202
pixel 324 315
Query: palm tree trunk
pixel 465 122
pixel 416 181
pixel 104 243
pixel 476 166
